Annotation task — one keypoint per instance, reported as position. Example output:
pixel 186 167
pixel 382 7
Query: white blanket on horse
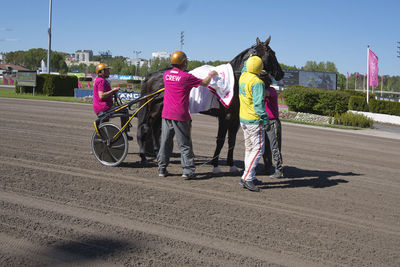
pixel 220 88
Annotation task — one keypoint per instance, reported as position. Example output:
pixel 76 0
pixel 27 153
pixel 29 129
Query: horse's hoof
pixel 216 170
pixel 233 169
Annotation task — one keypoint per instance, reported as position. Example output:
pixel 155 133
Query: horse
pixel 149 118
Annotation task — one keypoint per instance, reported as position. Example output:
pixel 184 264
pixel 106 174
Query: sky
pixel 301 30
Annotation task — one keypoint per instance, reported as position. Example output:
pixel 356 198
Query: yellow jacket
pixel 251 96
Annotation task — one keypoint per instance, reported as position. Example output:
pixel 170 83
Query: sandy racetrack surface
pixel 338 206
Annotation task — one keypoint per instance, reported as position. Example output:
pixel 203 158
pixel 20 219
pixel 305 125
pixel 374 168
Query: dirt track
pixel 338 206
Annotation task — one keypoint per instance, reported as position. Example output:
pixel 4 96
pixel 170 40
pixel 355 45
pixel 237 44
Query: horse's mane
pixel 151 75
pixel 237 62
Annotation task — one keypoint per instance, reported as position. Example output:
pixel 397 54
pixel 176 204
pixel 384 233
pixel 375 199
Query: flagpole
pixel 355 82
pixel 381 84
pixel 49 31
pixel 364 83
pixel 368 77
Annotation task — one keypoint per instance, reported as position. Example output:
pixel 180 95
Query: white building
pixel 2 58
pixel 83 55
pixel 135 61
pixel 160 55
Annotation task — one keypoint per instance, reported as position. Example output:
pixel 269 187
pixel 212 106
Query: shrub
pixel 331 102
pixel 384 107
pixel 316 101
pixel 358 103
pixel 354 93
pixel 355 120
pixel 59 85
pixel 300 98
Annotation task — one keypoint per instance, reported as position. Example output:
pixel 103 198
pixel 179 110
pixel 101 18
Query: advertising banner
pixel 91 75
pixel 290 78
pixel 124 77
pixel 26 78
pixel 121 95
pixel 77 74
pixel 314 79
pixel 323 80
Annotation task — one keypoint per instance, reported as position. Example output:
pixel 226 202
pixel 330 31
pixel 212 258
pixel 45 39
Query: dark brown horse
pixel 149 118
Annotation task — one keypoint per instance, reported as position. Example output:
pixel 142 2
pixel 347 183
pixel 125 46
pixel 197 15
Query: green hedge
pixel 355 120
pixel 384 107
pixel 355 93
pixel 358 103
pixel 52 85
pixel 316 101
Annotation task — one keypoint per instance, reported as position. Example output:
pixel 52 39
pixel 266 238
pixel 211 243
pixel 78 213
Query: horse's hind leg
pixel 232 132
pixel 141 139
pixel 222 130
pixel 156 135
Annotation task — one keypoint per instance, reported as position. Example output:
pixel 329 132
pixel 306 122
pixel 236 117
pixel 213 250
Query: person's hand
pixel 115 89
pixel 213 73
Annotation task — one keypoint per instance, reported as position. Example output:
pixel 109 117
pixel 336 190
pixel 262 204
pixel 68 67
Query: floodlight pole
pixel 182 39
pixel 137 62
pixel 49 31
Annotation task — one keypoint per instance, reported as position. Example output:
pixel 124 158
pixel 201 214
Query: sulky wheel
pixel 109 151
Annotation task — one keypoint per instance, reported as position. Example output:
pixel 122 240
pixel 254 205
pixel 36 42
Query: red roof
pixel 13 66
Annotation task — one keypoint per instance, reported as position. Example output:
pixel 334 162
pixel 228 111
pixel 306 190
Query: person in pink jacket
pixel 103 94
pixel 273 143
pixel 175 115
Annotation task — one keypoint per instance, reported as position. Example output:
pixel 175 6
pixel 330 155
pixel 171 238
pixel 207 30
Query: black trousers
pixel 273 145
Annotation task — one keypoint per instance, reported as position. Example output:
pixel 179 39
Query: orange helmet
pixel 101 66
pixel 178 58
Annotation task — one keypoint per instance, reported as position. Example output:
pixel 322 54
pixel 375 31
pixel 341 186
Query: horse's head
pixel 271 64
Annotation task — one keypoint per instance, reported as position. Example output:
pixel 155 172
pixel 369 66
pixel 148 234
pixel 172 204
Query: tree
pixel 341 81
pixel 330 67
pixel 287 67
pixel 310 66
pixel 92 68
pixel 117 64
pixel 31 59
pixel 159 64
pixel 194 64
pixel 57 63
pixel 144 70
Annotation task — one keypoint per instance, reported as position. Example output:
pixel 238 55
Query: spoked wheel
pixel 109 151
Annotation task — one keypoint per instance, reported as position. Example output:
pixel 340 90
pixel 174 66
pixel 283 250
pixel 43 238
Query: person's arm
pixel 258 101
pixel 207 80
pixel 104 95
pixel 267 93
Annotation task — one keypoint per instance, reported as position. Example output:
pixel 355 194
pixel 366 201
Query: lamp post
pixel 137 61
pixel 49 31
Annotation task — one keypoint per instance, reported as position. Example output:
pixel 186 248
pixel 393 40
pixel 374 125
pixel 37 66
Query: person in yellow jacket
pixel 253 119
